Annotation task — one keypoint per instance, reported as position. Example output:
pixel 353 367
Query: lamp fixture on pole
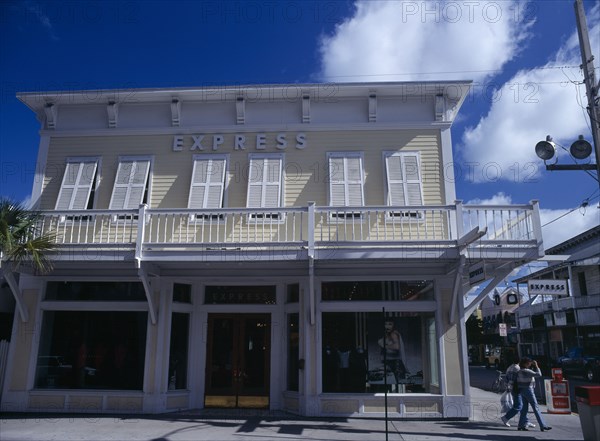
pixel 581 148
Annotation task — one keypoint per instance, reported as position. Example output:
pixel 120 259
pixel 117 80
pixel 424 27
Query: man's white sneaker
pixel 505 421
pixel 530 424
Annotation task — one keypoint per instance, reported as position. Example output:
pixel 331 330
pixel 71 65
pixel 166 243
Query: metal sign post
pixel 385 377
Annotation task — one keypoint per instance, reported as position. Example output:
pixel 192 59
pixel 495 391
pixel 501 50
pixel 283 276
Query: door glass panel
pixel 238 360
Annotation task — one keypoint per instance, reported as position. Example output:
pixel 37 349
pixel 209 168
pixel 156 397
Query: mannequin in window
pixel 358 370
pixel 344 369
pixel 392 352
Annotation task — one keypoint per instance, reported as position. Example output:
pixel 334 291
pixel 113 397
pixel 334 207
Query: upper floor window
pixel 265 177
pixel 346 179
pixel 404 184
pixel 78 185
pixel 208 181
pixel 131 183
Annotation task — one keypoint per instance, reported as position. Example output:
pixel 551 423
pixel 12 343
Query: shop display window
pixel 96 291
pixel 377 291
pixel 178 355
pixel 92 350
pixel 367 352
pixel 293 349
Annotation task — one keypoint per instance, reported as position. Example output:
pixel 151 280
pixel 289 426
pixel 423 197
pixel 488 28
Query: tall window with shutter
pixel 207 190
pixel 131 183
pixel 404 183
pixel 346 181
pixel 265 176
pixel 78 184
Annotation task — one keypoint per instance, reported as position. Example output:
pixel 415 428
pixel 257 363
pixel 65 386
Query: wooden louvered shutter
pixel 412 176
pixel 404 179
pixel 77 185
pixel 354 182
pixel 208 183
pixel 264 182
pixel 395 180
pixel 130 185
pixel 345 181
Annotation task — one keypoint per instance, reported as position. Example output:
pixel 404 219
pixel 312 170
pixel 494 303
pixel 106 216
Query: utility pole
pixel 589 77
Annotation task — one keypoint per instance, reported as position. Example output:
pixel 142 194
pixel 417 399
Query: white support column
pixel 459 219
pixel 537 226
pixel 140 235
pixel 447 164
pixel 311 261
pixel 157 401
pixel 17 294
pixel 456 288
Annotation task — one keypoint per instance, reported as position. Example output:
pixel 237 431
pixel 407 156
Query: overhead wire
pixel 583 204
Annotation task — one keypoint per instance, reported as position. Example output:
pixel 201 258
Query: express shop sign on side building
pixel 547 287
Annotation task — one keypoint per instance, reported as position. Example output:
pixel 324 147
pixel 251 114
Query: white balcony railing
pixel 311 226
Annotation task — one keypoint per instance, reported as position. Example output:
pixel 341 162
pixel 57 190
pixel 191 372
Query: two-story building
pixel 289 247
pixel 563 310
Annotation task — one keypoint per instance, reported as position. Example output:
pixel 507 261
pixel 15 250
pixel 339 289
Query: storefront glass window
pixel 223 295
pixel 372 291
pixel 92 350
pixel 357 358
pixel 182 293
pixel 293 337
pixel 178 356
pixel 293 293
pixel 96 291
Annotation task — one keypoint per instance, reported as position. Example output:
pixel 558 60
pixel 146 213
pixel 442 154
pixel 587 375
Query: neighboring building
pixel 568 314
pixel 237 246
pixel 500 309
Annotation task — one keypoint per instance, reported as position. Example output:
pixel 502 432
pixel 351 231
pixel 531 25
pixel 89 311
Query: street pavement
pixel 210 425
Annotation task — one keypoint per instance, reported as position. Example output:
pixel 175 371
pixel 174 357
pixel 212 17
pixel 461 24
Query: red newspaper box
pixel 557 393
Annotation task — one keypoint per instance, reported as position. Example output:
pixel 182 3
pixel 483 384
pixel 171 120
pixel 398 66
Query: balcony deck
pixel 322 233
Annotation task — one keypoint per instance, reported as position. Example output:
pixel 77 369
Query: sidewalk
pixel 215 426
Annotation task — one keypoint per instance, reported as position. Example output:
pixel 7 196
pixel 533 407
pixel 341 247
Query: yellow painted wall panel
pixel 178 401
pixel 133 404
pixel 87 403
pixel 305 169
pixel 47 402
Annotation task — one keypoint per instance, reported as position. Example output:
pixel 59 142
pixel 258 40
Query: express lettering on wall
pixel 259 141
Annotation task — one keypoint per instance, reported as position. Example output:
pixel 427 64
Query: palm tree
pixel 21 240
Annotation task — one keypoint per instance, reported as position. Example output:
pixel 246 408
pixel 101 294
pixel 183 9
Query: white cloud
pixel 435 40
pixel 580 220
pixel 529 106
pixel 36 9
pixel 498 199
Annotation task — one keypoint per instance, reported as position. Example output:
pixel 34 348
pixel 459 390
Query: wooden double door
pixel 238 359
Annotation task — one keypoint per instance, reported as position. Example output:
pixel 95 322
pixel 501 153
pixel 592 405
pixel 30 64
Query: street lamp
pixel 545 149
pixel 581 148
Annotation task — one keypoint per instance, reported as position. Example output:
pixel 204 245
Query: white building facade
pixel 289 247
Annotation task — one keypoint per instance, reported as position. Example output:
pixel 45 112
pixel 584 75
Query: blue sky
pixel 522 56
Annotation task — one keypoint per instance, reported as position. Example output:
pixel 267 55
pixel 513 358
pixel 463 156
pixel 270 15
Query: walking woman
pixel 526 376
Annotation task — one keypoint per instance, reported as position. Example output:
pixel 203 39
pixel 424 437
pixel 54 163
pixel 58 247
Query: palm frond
pixel 20 238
